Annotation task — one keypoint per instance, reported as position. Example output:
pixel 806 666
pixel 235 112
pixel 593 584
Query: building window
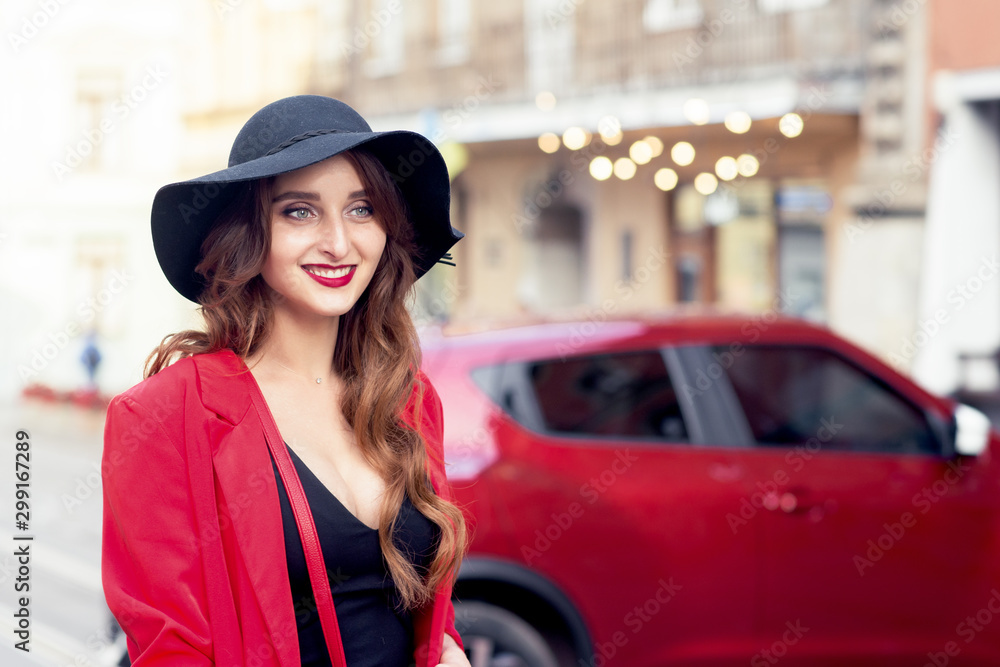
pixel 454 22
pixel 689 275
pixel 663 15
pixel 776 6
pixel 388 46
pixel 627 256
pixel 99 112
pixel 553 261
pixel 550 43
pixel 801 210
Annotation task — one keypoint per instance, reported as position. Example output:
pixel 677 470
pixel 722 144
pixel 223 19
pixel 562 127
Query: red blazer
pixel 194 564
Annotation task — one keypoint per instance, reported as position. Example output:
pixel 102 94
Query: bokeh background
pixel 837 160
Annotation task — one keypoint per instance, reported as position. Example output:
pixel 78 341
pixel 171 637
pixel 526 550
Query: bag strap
pixel 307 528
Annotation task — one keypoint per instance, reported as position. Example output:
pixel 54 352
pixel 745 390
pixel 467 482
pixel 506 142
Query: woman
pixel 277 496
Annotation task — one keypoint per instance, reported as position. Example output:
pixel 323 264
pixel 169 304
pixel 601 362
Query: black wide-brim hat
pixel 286 135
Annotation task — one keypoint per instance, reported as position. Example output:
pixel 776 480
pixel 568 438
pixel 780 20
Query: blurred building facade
pixel 957 334
pixel 111 101
pixel 771 212
pixel 756 155
pixel 92 125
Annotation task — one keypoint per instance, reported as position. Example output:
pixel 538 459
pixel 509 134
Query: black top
pixel 374 629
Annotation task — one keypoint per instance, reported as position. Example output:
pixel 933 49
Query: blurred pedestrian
pixel 91 358
pixel 274 489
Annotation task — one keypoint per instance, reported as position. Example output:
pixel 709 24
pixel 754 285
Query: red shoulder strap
pixel 307 528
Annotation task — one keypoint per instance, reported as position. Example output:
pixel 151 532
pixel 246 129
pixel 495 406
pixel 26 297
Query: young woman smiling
pixel 275 490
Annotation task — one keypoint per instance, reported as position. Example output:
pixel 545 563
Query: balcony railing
pixel 576 48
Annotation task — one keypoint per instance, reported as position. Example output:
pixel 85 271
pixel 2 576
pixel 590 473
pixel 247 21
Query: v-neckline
pixel 270 417
pixel 333 495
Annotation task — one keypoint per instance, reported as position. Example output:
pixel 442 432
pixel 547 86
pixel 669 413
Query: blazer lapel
pixel 248 497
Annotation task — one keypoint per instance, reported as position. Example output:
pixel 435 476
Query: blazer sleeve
pixel 151 568
pixel 431 424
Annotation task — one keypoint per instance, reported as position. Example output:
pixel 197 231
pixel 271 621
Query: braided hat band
pixel 300 137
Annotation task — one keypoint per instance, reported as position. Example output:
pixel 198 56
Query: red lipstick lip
pixel 331 282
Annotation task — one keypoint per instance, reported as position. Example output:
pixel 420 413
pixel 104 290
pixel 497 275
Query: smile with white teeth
pixel 339 272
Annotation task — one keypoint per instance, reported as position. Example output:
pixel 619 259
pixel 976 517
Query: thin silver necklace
pixel 318 380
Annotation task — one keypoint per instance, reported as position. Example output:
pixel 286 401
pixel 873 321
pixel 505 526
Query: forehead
pixel 335 172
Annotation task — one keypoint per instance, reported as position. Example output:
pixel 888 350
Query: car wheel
pixel 494 637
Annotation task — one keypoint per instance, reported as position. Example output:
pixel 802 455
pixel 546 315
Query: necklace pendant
pixel 319 380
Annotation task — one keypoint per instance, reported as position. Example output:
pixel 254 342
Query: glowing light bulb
pixel 791 125
pixel 549 142
pixel 665 179
pixel 682 153
pixel 624 168
pixel 640 152
pixel 696 110
pixel 726 168
pixel 738 122
pixel 705 183
pixel 748 165
pixel 610 129
pixel 655 144
pixel 545 101
pixel 601 168
pixel 576 138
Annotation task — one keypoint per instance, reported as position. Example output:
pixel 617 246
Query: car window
pixel 793 394
pixel 620 395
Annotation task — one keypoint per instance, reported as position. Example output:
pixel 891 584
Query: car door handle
pixel 787 501
pixel 797 502
pixel 726 472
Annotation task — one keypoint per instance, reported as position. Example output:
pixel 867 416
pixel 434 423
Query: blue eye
pixel 363 211
pixel 298 212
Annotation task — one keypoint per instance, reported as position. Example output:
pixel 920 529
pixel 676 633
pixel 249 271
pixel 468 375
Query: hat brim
pixel 183 213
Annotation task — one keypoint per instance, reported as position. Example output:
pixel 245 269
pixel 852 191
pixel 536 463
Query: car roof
pixel 455 349
pixel 598 332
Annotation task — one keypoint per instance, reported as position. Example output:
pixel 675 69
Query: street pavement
pixel 69 620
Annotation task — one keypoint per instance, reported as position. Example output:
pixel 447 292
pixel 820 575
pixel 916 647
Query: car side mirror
pixel 972 431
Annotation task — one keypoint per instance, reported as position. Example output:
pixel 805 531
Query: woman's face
pixel 326 239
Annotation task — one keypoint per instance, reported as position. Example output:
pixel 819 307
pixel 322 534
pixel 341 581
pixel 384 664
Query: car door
pixel 878 543
pixel 612 494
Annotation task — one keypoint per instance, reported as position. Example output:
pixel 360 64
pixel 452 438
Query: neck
pixel 304 346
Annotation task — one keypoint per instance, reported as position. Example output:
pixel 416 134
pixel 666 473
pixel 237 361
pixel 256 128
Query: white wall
pixel 961 286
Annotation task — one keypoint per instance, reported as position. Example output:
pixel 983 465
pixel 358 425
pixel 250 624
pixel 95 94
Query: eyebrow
pixel 312 196
pixel 296 194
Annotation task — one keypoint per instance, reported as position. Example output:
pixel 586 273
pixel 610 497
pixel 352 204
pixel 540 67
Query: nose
pixel 334 239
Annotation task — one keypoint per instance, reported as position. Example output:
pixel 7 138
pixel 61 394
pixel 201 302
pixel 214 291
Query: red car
pixel 714 491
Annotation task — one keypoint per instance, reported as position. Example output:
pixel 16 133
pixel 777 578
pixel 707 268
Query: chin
pixel 314 308
pixel 333 310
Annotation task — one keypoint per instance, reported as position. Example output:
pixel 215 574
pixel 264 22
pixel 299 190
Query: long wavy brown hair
pixel 377 356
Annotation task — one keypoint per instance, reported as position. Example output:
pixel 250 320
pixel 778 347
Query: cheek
pixel 282 257
pixel 286 245
pixel 374 243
